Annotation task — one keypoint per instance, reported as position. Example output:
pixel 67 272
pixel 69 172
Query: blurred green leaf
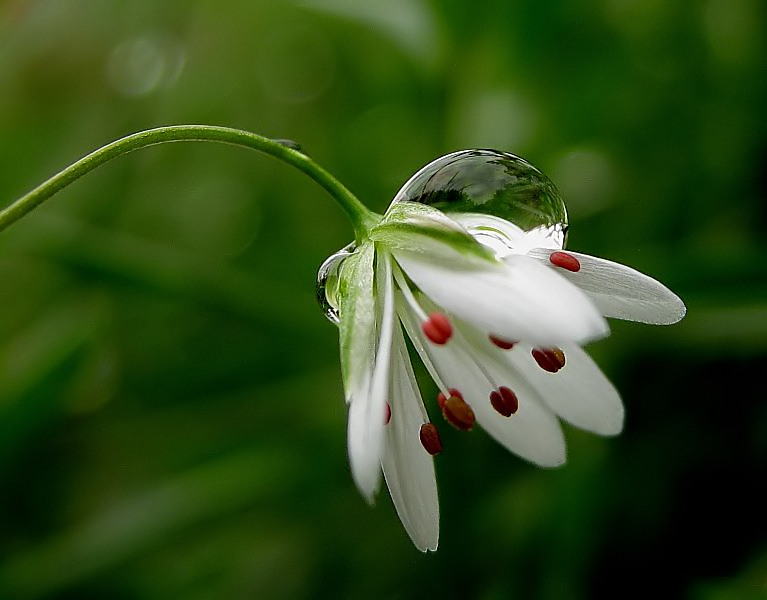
pixel 172 421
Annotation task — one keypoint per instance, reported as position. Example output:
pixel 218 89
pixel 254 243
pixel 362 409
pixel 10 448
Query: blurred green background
pixel 171 417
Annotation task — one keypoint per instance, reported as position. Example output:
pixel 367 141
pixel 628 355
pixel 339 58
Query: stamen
pixel 502 343
pixel 456 411
pixel 430 439
pixel 437 328
pixel 549 359
pixel 387 418
pixel 441 398
pixel 565 261
pixel 504 401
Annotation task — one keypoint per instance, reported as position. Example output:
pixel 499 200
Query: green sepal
pixel 424 230
pixel 357 317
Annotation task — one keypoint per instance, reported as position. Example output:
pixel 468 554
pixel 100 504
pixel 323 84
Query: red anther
pixel 565 261
pixel 458 413
pixel 437 328
pixel 441 397
pixel 387 419
pixel 549 359
pixel 504 401
pixel 502 343
pixel 430 439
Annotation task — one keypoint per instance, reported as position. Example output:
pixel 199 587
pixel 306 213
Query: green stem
pixel 361 217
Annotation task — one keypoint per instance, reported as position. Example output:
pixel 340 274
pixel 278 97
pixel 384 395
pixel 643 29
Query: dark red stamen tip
pixel 430 439
pixel 387 418
pixel 502 343
pixel 549 359
pixel 456 411
pixel 437 328
pixel 504 401
pixel 565 261
pixel 451 392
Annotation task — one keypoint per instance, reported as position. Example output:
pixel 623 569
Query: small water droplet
pixel 328 282
pixel 525 208
pixel 288 144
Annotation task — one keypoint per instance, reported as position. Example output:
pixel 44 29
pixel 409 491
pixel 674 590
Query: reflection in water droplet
pixel 472 185
pixel 327 282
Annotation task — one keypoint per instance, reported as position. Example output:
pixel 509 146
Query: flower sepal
pixel 420 229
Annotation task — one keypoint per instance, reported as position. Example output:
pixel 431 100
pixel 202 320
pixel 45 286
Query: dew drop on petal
pixel 496 184
pixel 328 282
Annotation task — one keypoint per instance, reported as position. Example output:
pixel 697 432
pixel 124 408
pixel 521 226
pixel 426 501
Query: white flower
pixel 498 315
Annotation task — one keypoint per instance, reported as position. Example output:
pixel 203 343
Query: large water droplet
pixel 502 200
pixel 328 282
pixel 525 207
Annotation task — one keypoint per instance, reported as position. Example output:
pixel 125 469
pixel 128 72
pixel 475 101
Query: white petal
pixel 620 291
pixel 407 467
pixel 533 432
pixel 367 408
pixel 579 392
pixel 518 298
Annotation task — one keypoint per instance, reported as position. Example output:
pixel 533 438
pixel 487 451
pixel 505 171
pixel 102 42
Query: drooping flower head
pixel 468 265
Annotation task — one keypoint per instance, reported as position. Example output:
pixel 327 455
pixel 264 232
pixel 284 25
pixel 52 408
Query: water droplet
pixel 525 208
pixel 328 282
pixel 288 144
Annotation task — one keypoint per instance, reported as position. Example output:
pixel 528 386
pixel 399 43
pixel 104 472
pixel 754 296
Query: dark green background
pixel 171 417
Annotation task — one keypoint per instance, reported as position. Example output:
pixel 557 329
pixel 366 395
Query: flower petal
pixel 517 298
pixel 533 432
pixel 620 291
pixel 367 407
pixel 357 320
pixel 407 467
pixel 579 392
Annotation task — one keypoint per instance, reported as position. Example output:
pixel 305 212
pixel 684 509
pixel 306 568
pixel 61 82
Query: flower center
pixel 430 439
pixel 504 401
pixel 549 359
pixel 565 261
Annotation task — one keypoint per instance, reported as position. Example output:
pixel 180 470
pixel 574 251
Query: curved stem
pixel 361 217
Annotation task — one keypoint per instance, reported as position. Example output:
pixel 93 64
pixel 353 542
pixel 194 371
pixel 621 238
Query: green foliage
pixel 172 423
